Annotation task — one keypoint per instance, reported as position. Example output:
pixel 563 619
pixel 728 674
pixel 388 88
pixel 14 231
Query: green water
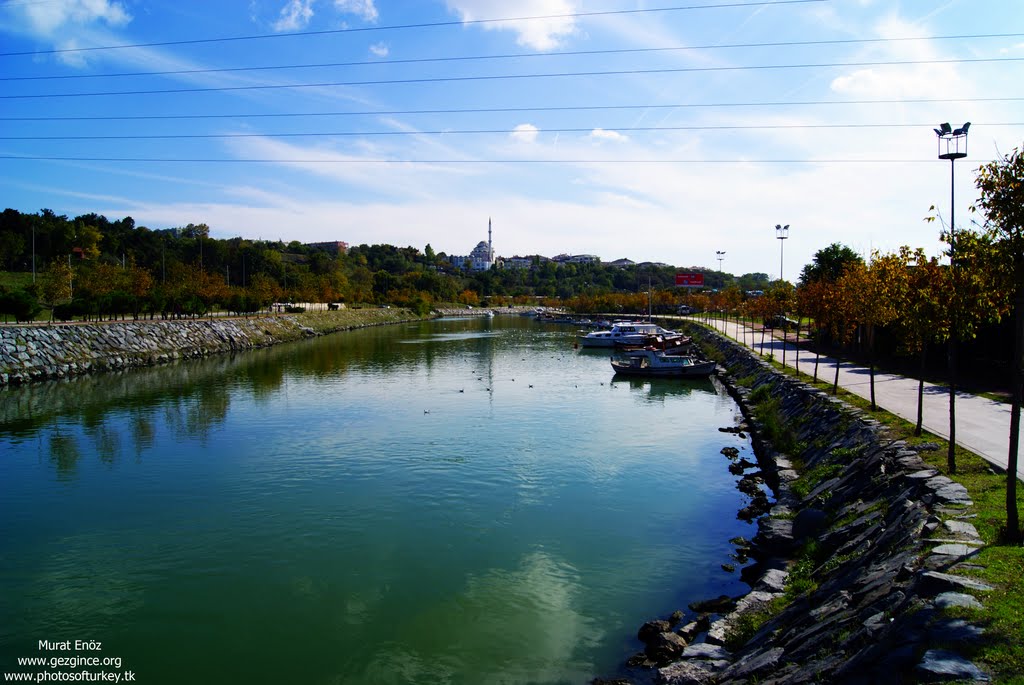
pixel 462 501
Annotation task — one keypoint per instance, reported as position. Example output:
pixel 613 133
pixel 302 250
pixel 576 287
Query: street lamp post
pixel 952 146
pixel 781 232
pixel 720 255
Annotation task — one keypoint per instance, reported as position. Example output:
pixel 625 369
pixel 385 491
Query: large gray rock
pixel 774 580
pixel 961 528
pixel 704 650
pixel 756 665
pixel 686 673
pixel 957 599
pixel 932 583
pixel 939 665
pixel 665 647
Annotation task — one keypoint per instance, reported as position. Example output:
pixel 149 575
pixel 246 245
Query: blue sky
pixel 825 129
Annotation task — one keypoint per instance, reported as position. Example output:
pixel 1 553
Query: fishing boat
pixel 623 332
pixel 649 362
pixel 669 344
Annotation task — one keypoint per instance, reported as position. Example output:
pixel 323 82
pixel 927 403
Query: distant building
pixel 583 259
pixel 621 263
pixel 332 246
pixel 526 262
pixel 480 259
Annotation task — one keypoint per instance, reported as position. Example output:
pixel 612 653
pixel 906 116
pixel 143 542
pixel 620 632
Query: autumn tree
pixel 920 301
pixel 973 297
pixel 56 284
pixel 872 290
pixel 1001 185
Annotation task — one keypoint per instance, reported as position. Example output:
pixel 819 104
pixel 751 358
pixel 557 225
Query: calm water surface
pixel 462 501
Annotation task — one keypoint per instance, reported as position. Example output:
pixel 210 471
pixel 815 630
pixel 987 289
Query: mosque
pixel 481 258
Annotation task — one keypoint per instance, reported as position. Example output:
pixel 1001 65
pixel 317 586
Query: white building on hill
pixel 480 259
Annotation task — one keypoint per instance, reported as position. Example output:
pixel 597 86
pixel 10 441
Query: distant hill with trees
pixel 91 266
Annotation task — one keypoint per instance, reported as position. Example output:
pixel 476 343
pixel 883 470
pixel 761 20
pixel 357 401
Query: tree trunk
pixel 783 349
pixel 796 351
pixel 920 390
pixel 1013 532
pixel 951 453
pixel 835 383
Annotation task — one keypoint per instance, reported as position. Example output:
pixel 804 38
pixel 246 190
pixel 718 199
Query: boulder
pixel 940 665
pixel 932 583
pixel 686 673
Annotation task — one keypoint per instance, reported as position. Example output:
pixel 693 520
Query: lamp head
pixel 946 129
pixel 966 126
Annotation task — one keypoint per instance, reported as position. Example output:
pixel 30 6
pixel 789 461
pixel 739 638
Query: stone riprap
pixel 46 352
pixel 877 533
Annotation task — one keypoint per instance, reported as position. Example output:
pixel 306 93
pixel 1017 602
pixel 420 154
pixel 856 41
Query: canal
pixel 464 501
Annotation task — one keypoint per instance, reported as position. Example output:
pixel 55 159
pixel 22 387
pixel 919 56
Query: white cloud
pixel 546 33
pixel 525 133
pixel 379 49
pixel 45 18
pixel 295 15
pixel 365 9
pixel 600 134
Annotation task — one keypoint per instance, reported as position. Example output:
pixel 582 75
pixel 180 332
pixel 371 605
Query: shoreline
pixel 853 562
pixel 42 352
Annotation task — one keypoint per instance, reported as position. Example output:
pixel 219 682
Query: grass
pixel 810 479
pixel 766 411
pixel 16 280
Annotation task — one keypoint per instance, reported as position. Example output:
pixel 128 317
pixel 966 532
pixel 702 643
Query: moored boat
pixel 623 332
pixel 648 362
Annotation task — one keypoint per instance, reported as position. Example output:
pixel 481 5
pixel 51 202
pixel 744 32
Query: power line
pixel 499 110
pixel 363 29
pixel 211 160
pixel 506 77
pixel 468 58
pixel 445 132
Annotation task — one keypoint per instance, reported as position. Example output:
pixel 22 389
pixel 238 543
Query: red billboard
pixel 690 280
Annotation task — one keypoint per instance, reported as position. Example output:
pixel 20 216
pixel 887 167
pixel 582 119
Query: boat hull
pixel 649 362
pixel 702 370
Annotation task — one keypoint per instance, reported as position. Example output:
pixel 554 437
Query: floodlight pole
pixel 720 256
pixel 781 232
pixel 952 146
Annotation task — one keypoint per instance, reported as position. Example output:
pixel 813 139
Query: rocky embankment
pixel 855 564
pixel 44 352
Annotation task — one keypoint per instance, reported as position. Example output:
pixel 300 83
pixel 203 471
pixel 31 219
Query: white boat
pixel 647 362
pixel 623 333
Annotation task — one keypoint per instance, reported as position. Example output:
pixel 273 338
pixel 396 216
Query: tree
pixel 872 290
pixel 810 302
pixel 56 284
pixel 917 290
pixel 829 263
pixel 1001 184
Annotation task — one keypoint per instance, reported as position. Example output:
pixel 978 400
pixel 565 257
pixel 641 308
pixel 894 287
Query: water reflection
pixel 526 624
pixel 190 399
pixel 294 514
pixel 658 389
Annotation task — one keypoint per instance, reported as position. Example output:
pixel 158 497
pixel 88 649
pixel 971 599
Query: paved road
pixel 982 425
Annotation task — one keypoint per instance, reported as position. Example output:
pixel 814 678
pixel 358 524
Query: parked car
pixel 780 321
pixel 684 309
